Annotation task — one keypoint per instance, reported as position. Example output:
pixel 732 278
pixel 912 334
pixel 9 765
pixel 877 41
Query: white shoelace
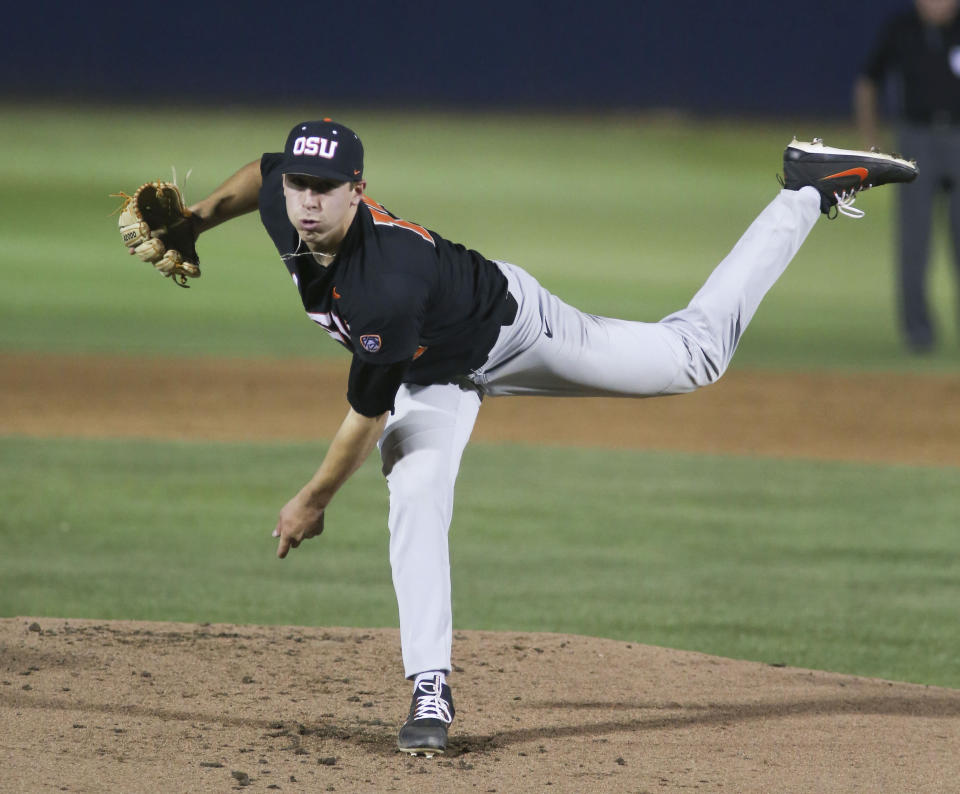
pixel 845 204
pixel 430 706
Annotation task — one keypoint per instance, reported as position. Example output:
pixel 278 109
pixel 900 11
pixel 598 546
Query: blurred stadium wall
pixel 755 57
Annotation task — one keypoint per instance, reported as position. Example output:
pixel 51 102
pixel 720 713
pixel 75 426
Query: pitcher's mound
pixel 145 707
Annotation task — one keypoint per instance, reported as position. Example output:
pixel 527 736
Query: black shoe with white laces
pixel 431 712
pixel 839 174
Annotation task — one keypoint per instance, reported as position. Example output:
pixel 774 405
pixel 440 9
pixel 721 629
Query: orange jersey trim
pixel 383 218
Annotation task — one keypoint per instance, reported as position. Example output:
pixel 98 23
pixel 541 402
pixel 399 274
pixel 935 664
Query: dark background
pixel 703 57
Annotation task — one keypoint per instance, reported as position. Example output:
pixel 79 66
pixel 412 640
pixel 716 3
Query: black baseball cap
pixel 323 149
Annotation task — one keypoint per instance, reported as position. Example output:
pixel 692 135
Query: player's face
pixel 321 210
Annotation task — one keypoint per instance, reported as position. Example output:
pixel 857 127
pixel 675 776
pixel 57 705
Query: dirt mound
pixel 143 707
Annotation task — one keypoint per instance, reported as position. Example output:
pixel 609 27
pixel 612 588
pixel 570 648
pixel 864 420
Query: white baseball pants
pixel 554 349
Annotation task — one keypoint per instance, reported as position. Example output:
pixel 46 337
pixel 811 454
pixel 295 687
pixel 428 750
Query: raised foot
pixel 840 174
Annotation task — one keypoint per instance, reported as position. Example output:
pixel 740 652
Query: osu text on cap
pixel 314 146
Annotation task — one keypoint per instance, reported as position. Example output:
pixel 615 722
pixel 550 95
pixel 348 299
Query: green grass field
pixel 620 215
pixel 834 566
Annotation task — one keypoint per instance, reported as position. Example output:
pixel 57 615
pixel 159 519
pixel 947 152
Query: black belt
pixel 509 309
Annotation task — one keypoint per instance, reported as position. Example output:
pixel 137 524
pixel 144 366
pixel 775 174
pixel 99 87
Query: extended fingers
pixel 284 546
pixel 286 542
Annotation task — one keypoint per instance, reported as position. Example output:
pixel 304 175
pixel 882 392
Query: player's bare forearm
pixel 237 196
pixel 302 516
pixel 354 441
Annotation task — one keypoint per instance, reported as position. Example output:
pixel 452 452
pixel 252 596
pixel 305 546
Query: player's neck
pixel 324 251
pixel 322 258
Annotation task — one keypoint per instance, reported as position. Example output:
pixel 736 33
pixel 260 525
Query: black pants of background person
pixel 937 150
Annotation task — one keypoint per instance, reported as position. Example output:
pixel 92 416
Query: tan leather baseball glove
pixel 158 228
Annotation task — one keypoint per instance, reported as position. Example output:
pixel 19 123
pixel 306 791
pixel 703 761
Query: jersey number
pixel 333 324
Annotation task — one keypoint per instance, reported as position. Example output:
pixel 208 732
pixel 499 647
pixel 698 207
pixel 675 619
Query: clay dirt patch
pixel 866 417
pixel 97 706
pixel 145 707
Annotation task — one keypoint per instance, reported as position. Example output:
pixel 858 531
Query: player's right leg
pixel 555 349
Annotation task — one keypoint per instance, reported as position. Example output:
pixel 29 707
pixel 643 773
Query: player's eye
pixel 317 185
pixel 325 185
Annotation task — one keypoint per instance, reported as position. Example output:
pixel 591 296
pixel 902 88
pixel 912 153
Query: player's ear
pixel 358 189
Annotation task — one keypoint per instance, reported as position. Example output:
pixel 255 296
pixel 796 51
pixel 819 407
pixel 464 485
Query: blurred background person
pixel 915 62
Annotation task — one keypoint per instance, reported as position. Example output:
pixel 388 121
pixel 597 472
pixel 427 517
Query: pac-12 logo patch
pixel 371 342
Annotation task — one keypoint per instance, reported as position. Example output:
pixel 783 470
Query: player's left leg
pixel 421 448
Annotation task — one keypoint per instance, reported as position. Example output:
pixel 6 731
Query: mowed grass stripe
pixel 826 565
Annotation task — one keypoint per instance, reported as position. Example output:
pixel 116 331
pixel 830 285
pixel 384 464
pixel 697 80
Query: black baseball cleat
pixel 839 174
pixel 431 712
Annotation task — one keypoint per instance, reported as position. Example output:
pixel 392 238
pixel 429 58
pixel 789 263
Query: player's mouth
pixel 309 224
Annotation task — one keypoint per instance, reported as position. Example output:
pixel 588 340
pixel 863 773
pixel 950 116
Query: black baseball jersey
pixel 926 61
pixel 411 306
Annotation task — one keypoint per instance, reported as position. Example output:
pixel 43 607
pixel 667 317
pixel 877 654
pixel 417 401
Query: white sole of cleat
pixel 817 147
pixel 422 753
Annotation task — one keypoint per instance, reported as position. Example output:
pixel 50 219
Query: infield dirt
pixel 866 417
pixel 135 707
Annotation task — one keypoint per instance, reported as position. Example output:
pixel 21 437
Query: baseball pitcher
pixel 434 327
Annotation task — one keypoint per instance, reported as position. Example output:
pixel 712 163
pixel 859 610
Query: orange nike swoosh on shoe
pixel 863 173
